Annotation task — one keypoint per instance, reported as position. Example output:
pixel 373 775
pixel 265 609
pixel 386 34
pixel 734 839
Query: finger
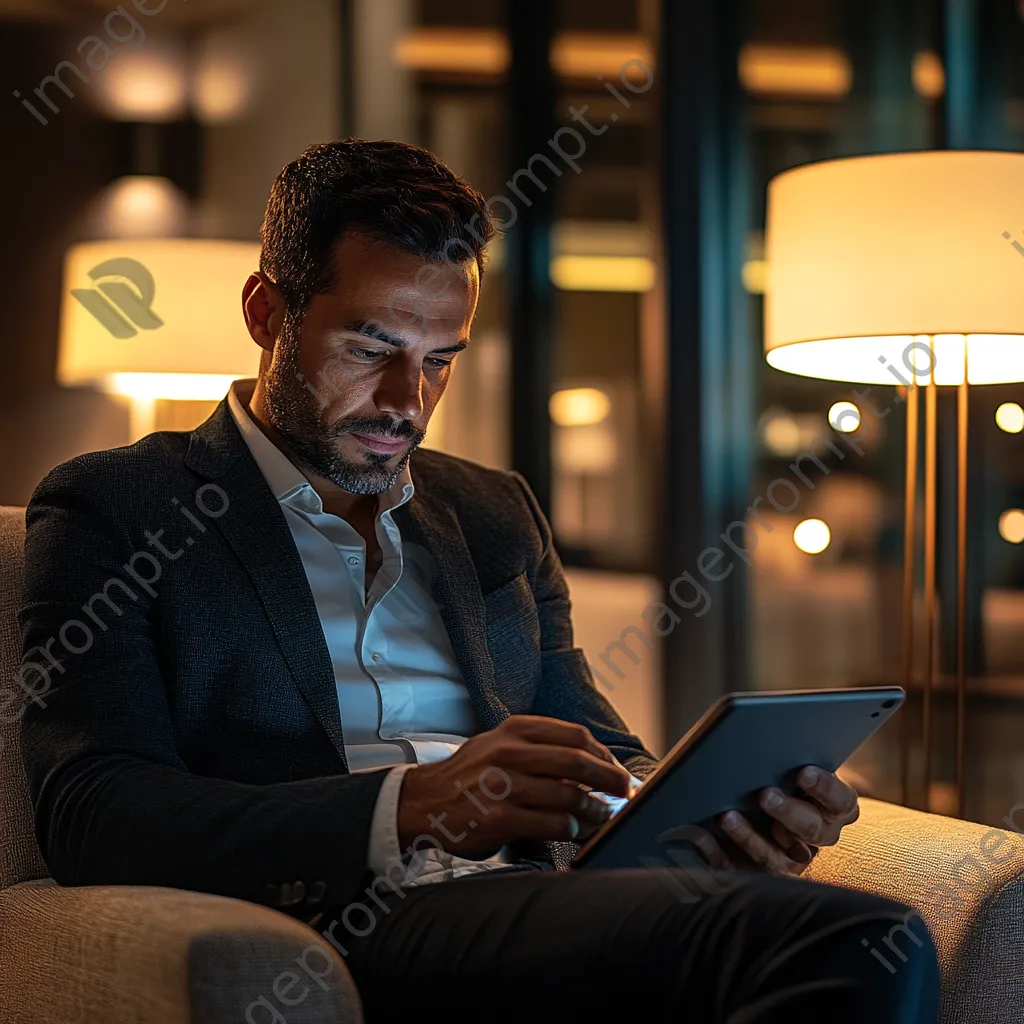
pixel 699 838
pixel 759 849
pixel 837 799
pixel 553 731
pixel 794 848
pixel 802 818
pixel 546 794
pixel 552 826
pixel 710 849
pixel 574 765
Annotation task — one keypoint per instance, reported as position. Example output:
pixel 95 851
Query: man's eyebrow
pixel 459 346
pixel 373 330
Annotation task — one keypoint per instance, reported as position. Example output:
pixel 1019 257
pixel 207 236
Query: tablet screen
pixel 616 803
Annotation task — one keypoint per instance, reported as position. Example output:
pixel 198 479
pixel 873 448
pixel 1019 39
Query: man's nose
pixel 400 390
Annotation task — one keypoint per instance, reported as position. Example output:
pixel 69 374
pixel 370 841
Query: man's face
pixel 353 389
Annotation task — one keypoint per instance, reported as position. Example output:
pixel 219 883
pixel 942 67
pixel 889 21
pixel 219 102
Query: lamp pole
pixel 961 588
pixel 909 547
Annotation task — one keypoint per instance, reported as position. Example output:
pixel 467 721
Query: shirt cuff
pixel 384 853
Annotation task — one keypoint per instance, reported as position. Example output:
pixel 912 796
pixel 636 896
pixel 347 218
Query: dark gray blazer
pixel 185 728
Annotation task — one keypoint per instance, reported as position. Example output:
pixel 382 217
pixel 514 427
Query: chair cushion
pixel 20 859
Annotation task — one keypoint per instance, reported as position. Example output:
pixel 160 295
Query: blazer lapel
pixel 255 527
pixel 456 590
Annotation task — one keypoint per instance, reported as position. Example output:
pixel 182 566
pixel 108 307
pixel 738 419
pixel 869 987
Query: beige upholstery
pixel 965 880
pixel 160 956
pixel 20 859
pixel 127 955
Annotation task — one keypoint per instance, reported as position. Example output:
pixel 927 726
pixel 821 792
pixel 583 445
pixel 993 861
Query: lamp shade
pixel 158 318
pixel 874 260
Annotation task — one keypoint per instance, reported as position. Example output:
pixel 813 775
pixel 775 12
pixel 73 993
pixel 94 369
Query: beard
pixel 296 409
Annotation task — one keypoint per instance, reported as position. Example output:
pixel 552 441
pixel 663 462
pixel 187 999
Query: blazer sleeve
pixel 567 689
pixel 114 803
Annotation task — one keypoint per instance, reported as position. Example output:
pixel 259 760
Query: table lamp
pixel 156 319
pixel 904 269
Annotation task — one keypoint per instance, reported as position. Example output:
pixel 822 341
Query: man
pixel 289 659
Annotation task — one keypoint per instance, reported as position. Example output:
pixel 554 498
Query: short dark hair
pixel 392 191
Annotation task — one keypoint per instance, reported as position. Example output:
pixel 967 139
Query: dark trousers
pixel 594 945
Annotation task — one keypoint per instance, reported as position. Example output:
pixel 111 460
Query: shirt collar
pixel 286 481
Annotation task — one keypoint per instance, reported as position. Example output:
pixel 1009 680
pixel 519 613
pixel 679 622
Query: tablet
pixel 744 742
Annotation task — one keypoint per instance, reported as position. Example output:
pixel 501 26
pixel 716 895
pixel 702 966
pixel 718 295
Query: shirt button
pixel 352 560
pixel 375 656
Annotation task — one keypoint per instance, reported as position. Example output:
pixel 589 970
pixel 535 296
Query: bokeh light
pixel 1011 525
pixel 139 206
pixel 812 536
pixel 844 417
pixel 780 433
pixel 579 407
pixel 149 84
pixel 1010 417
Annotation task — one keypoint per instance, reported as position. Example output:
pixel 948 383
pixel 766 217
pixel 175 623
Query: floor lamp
pixel 153 319
pixel 904 269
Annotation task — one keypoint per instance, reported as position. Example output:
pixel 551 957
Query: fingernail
pixel 809 776
pixel 800 853
pixel 771 800
pixel 574 826
pixel 731 820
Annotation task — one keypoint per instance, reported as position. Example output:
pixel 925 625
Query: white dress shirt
pixel 400 689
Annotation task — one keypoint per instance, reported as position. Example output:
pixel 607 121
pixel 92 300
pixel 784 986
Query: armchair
pixel 123 954
pixel 164 956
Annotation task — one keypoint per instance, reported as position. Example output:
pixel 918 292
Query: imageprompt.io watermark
pixel 121 28
pixel 121 309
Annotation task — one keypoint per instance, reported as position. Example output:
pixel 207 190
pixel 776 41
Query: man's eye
pixel 436 361
pixel 368 355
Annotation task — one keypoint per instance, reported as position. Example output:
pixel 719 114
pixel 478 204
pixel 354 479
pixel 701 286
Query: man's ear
pixel 263 308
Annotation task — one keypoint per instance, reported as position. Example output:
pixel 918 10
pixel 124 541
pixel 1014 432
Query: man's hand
pixel 799 825
pixel 520 780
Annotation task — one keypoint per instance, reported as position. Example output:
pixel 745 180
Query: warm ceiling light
pixel 823 71
pixel 1010 417
pixel 929 75
pixel 466 50
pixel 844 417
pixel 140 206
pixel 223 85
pixel 576 55
pixel 1011 526
pixel 603 273
pixel 579 407
pixel 148 85
pixel 812 536
pixel 588 55
pixel 600 238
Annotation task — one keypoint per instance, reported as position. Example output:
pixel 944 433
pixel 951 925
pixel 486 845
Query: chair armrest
pixel 162 956
pixel 965 880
